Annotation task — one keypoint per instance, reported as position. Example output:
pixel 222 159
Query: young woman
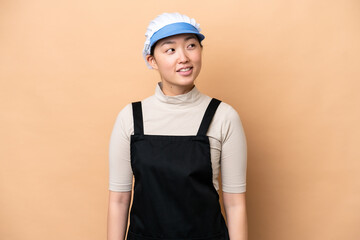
pixel 172 143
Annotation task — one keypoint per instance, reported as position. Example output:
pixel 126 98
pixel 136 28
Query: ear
pixel 152 61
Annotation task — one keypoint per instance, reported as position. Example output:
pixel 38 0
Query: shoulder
pixel 124 120
pixel 126 112
pixel 228 121
pixel 227 113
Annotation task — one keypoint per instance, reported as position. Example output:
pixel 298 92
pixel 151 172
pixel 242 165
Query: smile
pixel 185 71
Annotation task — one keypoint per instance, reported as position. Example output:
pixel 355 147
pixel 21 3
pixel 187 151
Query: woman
pixel 172 143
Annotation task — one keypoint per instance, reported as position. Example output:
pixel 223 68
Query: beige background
pixel 290 68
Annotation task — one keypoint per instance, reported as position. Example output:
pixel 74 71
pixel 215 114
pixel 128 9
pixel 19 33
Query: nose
pixel 182 58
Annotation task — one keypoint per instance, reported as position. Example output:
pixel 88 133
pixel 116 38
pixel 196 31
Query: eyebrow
pixel 170 42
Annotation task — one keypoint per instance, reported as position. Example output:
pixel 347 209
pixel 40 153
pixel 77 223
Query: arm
pixel 118 211
pixel 233 174
pixel 235 210
pixel 120 176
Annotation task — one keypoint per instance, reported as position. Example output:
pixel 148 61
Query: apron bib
pixel 174 196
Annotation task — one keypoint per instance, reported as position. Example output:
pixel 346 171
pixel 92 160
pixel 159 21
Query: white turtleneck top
pixel 182 115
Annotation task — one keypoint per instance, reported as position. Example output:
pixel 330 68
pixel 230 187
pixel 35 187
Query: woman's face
pixel 178 60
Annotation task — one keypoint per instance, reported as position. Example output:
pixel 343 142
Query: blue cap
pixel 174 29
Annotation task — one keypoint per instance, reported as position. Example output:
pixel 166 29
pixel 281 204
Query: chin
pixel 186 83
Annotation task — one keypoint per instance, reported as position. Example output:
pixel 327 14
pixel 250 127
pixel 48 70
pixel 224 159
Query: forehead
pixel 177 37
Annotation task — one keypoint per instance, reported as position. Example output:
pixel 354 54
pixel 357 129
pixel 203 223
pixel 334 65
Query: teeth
pixel 184 69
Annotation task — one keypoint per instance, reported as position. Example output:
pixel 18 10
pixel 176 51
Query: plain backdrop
pixel 290 68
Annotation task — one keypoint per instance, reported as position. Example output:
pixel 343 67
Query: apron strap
pixel 138 118
pixel 208 116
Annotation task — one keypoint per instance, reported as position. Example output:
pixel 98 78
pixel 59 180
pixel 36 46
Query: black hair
pixel 153 46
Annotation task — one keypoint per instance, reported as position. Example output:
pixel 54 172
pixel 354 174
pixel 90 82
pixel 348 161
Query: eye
pixel 192 45
pixel 168 51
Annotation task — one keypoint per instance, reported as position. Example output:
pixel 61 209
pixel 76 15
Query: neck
pixel 173 90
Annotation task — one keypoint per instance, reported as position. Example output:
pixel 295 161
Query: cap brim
pixel 175 29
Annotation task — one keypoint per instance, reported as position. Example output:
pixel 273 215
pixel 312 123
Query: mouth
pixel 185 71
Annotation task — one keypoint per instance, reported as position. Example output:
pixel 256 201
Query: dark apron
pixel 174 196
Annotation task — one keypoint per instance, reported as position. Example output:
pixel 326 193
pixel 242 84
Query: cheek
pixel 169 62
pixel 197 57
pixel 165 66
